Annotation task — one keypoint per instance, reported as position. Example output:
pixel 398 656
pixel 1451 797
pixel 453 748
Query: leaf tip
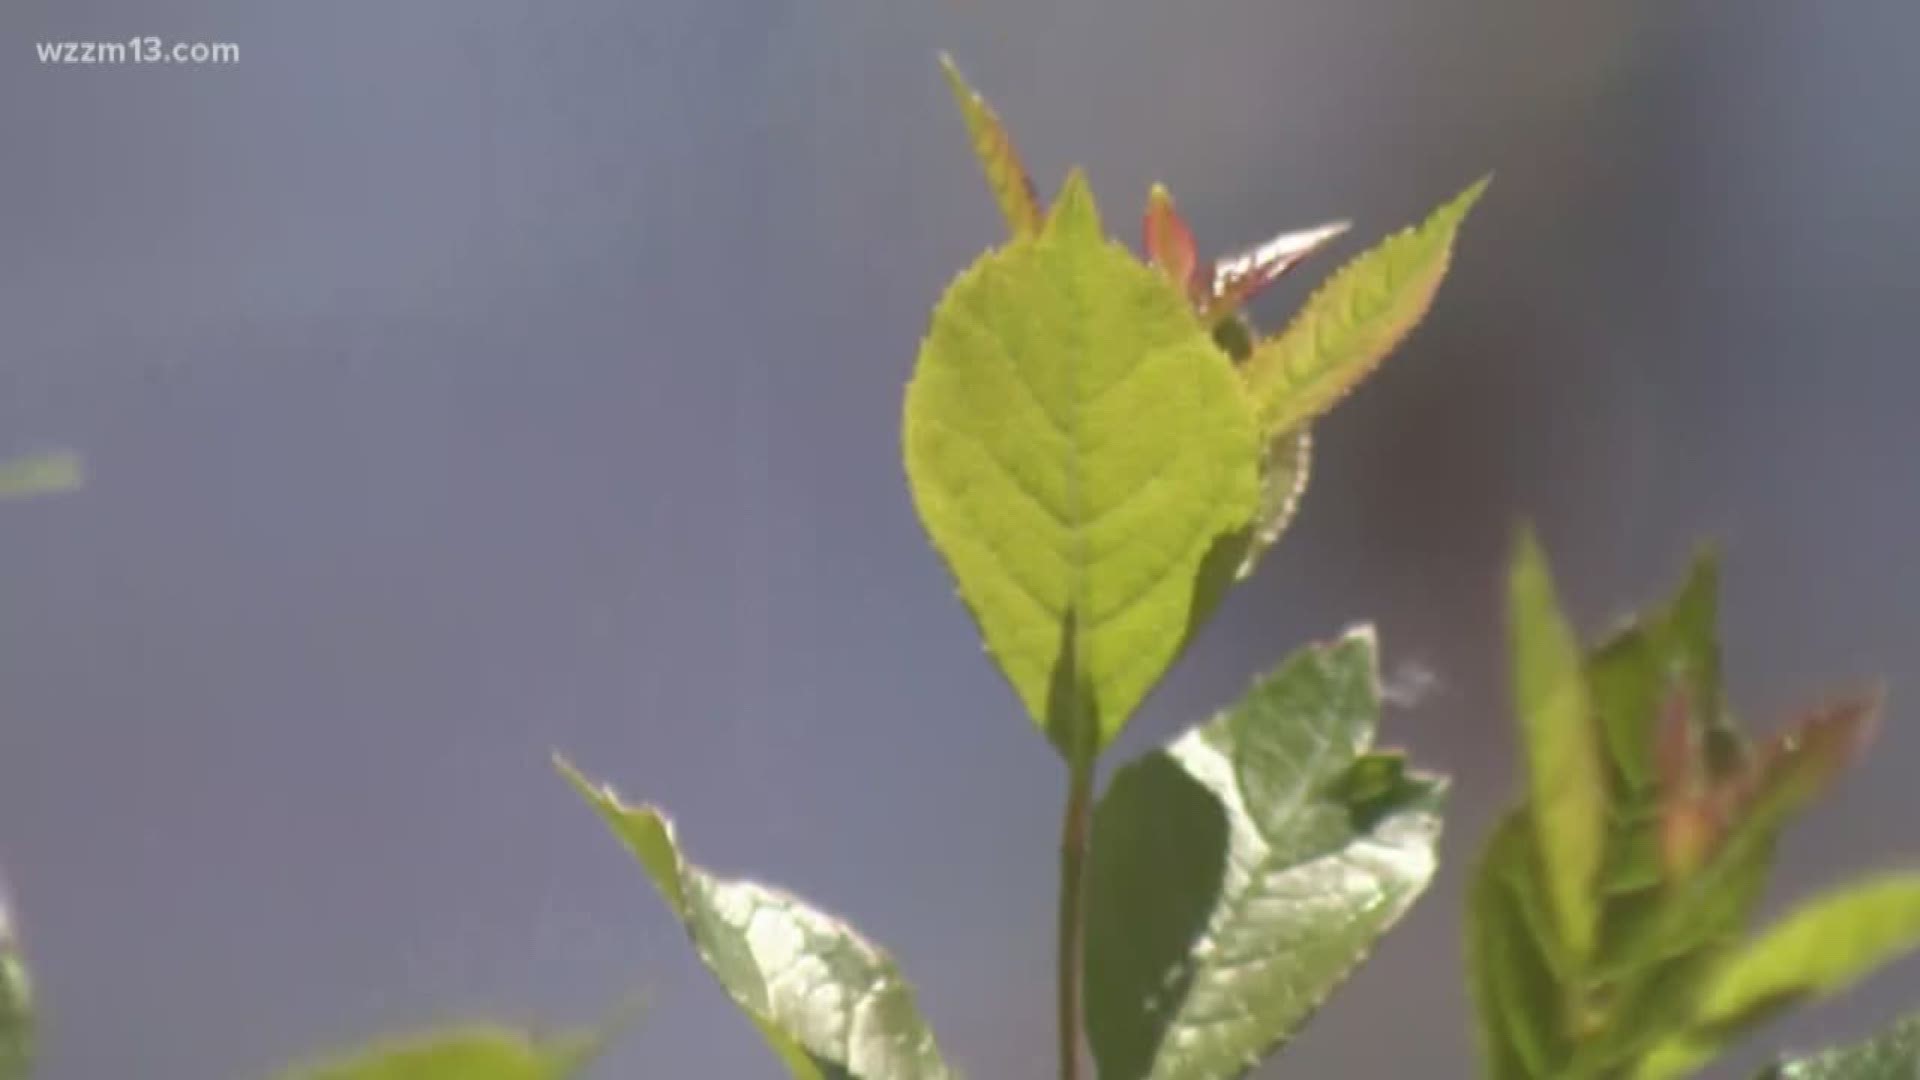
pixel 1074 211
pixel 1363 633
pixel 568 772
pixel 993 147
pixel 956 81
pixel 1469 198
pixel 1169 241
pixel 1529 556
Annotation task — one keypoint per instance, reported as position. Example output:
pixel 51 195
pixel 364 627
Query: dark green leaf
pixel 1511 950
pixel 831 1005
pixel 1240 874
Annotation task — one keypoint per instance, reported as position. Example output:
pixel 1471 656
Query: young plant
pixel 1609 920
pixel 1099 445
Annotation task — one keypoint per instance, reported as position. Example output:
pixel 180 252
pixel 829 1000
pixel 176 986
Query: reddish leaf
pixel 1239 278
pixel 1006 174
pixel 1169 241
pixel 1786 773
pixel 1799 763
pixel 1690 824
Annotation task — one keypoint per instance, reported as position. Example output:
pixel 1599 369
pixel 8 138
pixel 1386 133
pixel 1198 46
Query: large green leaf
pixel 469 1053
pixel 41 474
pixel 1567 793
pixel 1892 1055
pixel 1081 454
pixel 1240 874
pixel 831 1005
pixel 16 1004
pixel 1352 322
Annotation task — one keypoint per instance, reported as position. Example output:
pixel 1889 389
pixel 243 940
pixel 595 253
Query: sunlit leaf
pixel 1006 175
pixel 1239 875
pixel 1080 453
pixel 1354 320
pixel 830 1004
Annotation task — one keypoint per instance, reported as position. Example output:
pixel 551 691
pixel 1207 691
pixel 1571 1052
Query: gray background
pixel 463 379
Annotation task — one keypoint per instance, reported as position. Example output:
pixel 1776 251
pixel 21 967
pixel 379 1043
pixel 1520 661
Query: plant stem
pixel 1074 829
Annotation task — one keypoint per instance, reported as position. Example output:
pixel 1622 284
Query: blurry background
pixel 463 379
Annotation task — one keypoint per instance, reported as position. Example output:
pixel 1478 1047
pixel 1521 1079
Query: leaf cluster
pixel 1611 919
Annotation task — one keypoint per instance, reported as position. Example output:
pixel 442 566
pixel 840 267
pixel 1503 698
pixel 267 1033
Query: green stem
pixel 1075 826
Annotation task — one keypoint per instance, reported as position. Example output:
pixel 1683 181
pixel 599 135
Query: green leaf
pixel 1820 949
pixel 1006 175
pixel 1567 793
pixel 831 1005
pixel 1353 321
pixel 1892 1055
pixel 16 1004
pixel 1511 950
pixel 1239 875
pixel 1080 453
pixel 468 1053
pixel 1633 674
pixel 40 474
